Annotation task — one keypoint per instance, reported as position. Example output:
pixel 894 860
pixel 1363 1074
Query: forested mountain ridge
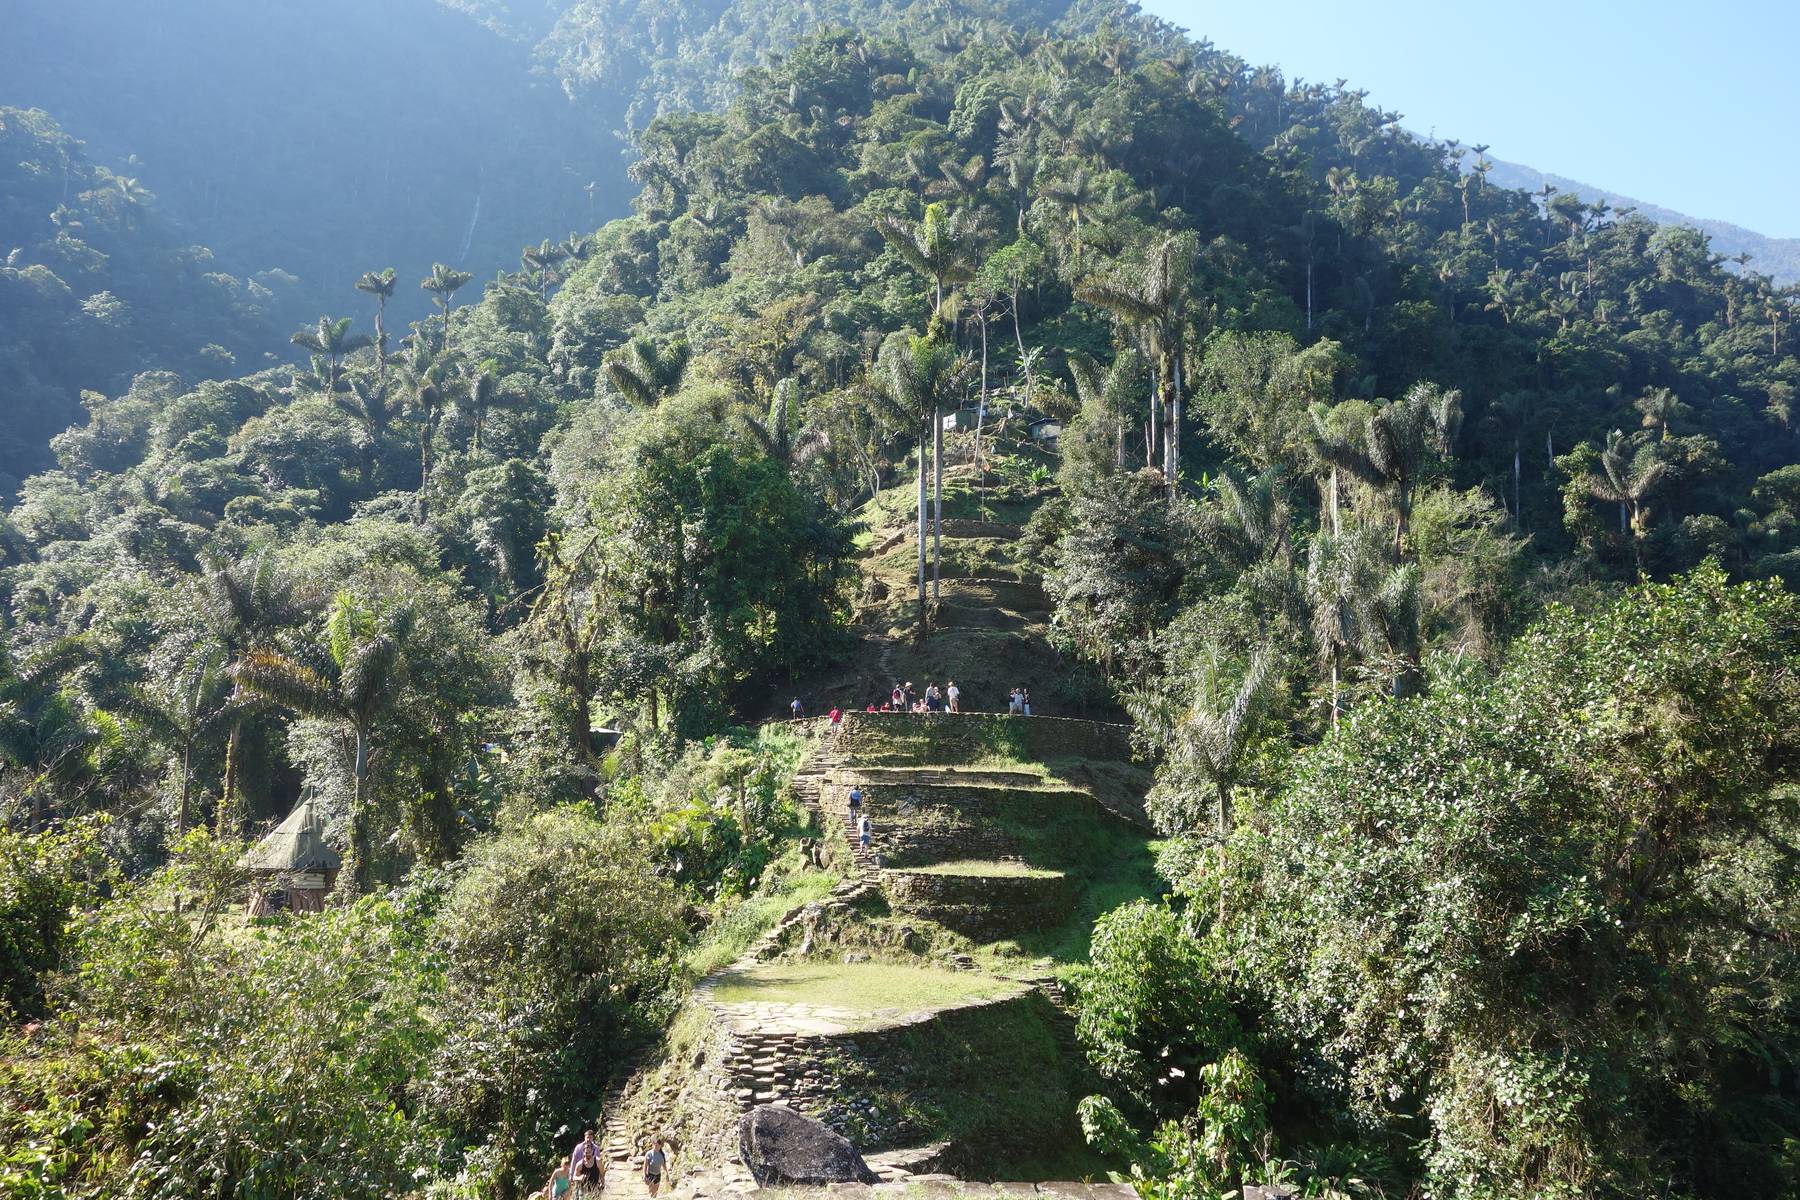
pixel 1776 257
pixel 97 286
pixel 1384 505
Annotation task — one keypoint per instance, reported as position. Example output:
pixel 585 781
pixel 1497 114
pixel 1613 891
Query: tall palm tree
pixel 443 283
pixel 542 261
pixel 940 248
pixel 1077 195
pixel 332 341
pixel 189 701
pixel 379 284
pixel 1388 621
pixel 482 394
pixel 916 377
pixel 1400 438
pixel 1511 411
pixel 243 603
pixel 1105 396
pixel 1629 475
pixel 350 681
pixel 1156 302
pixel 1208 728
pixel 426 394
pixel 1659 406
pixel 1335 584
pixel 372 405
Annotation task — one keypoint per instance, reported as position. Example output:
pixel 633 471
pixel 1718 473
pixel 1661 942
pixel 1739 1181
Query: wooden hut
pixel 292 867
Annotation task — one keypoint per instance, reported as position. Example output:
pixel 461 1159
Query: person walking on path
pixel 1025 701
pixel 656 1165
pixel 865 832
pixel 898 698
pixel 954 695
pixel 794 707
pixel 587 1167
pixel 837 719
pixel 910 700
pixel 559 1184
pixel 1013 704
pixel 856 799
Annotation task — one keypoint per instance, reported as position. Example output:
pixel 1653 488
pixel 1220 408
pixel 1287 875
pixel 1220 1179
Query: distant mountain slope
pixel 1777 257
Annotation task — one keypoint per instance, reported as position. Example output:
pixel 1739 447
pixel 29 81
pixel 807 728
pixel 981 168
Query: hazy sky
pixel 1695 106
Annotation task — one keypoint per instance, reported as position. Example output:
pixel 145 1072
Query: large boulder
pixel 782 1147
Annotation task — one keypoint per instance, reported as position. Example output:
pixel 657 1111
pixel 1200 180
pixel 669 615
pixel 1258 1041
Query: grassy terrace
pixel 991 868
pixel 869 987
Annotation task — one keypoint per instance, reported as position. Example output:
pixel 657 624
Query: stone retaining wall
pixel 888 738
pixel 983 907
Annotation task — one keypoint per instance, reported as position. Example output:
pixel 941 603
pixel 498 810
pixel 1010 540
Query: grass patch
pixel 747 920
pixel 871 987
pixel 987 868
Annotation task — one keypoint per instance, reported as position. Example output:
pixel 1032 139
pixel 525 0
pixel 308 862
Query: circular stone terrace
pixel 819 999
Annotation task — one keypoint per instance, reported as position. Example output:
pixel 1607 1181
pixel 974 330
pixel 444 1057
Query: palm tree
pixel 379 284
pixel 777 435
pixel 332 341
pixel 1337 450
pixel 371 405
pixel 1629 475
pixel 242 603
pixel 1077 194
pixel 1105 395
pixel 482 394
pixel 1659 406
pixel 1331 596
pixel 1209 733
pixel 1401 436
pixel 917 376
pixel 425 395
pixel 1388 621
pixel 543 260
pixel 443 283
pixel 940 248
pixel 189 701
pixel 1156 302
pixel 351 681
pixel 1511 411
pixel 643 373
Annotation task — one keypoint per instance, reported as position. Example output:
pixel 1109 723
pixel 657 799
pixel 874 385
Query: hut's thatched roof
pixel 297 844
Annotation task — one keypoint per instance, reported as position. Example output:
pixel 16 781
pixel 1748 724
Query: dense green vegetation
pixel 1433 538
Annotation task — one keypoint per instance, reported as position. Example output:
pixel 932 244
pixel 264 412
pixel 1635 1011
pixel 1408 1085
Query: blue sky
pixel 1695 106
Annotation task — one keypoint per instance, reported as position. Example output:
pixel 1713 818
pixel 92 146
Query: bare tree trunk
pixel 937 505
pixel 981 407
pixel 359 818
pixel 187 782
pixel 923 445
pixel 1175 435
pixel 231 817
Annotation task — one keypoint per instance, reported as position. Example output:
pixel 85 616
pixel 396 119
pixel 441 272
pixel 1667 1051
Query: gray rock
pixel 1272 1191
pixel 780 1146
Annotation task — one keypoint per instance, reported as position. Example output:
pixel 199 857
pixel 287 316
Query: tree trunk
pixel 1175 435
pixel 424 464
pixel 187 783
pixel 1518 512
pixel 230 822
pixel 924 445
pixel 937 505
pixel 1335 530
pixel 359 818
pixel 981 408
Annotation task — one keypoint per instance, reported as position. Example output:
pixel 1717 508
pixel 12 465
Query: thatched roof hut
pixel 293 863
